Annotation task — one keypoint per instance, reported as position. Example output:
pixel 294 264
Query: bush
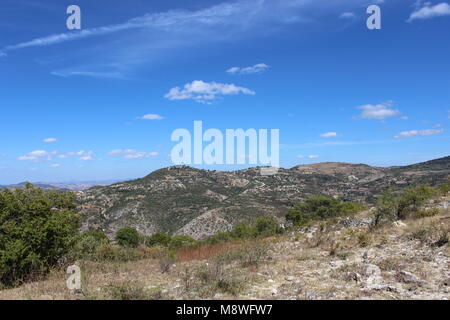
pixel 220 237
pixel 166 259
pixel 411 200
pixel 249 255
pixel 132 290
pixel 431 232
pixel 158 239
pixel 320 207
pixel 37 228
pixel 364 239
pixel 87 244
pixel 267 226
pixel 182 241
pixel 128 237
pixel 241 231
pixel 400 205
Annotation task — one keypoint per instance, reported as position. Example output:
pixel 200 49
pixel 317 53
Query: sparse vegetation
pixel 132 290
pixel 263 260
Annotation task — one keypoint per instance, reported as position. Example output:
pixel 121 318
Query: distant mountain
pixel 184 200
pixel 74 186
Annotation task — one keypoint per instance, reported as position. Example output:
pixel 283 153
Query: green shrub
pixel 411 200
pixel 320 207
pixel 87 243
pixel 128 237
pixel 426 213
pixel 364 239
pixel 231 285
pixel 443 190
pixel 37 228
pixel 182 241
pixel 220 237
pixel 400 205
pixel 241 231
pixel 158 239
pixel 267 226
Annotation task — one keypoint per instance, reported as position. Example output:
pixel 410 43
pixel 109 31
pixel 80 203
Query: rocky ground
pixel 339 260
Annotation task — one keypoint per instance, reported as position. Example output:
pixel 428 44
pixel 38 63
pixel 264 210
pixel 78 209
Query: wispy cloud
pixel 311 156
pixel 329 135
pixel 151 116
pixel 377 112
pixel 333 144
pixel 205 92
pixel 428 11
pixel 50 140
pixel 415 133
pixel 163 32
pixel 257 68
pixel 131 154
pixel 93 74
pixel 347 15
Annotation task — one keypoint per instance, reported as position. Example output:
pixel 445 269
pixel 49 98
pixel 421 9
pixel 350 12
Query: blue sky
pixel 101 103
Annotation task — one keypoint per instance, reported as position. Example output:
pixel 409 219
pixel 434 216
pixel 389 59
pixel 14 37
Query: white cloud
pixel 312 156
pixel 205 92
pixel 347 15
pixel 257 68
pixel 50 140
pixel 378 112
pixel 82 155
pixel 329 135
pixel 38 156
pixel 92 74
pixel 55 165
pixel 414 133
pixel 427 11
pixel 131 154
pixel 2 54
pixel 151 116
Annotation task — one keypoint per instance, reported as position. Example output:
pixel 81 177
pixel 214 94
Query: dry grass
pixel 205 252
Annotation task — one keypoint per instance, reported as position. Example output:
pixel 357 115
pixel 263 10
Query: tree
pixel 128 237
pixel 37 228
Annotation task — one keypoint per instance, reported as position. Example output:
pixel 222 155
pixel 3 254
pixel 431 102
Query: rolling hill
pixel 199 203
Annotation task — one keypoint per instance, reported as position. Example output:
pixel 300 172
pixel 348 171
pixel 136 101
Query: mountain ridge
pixel 200 203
